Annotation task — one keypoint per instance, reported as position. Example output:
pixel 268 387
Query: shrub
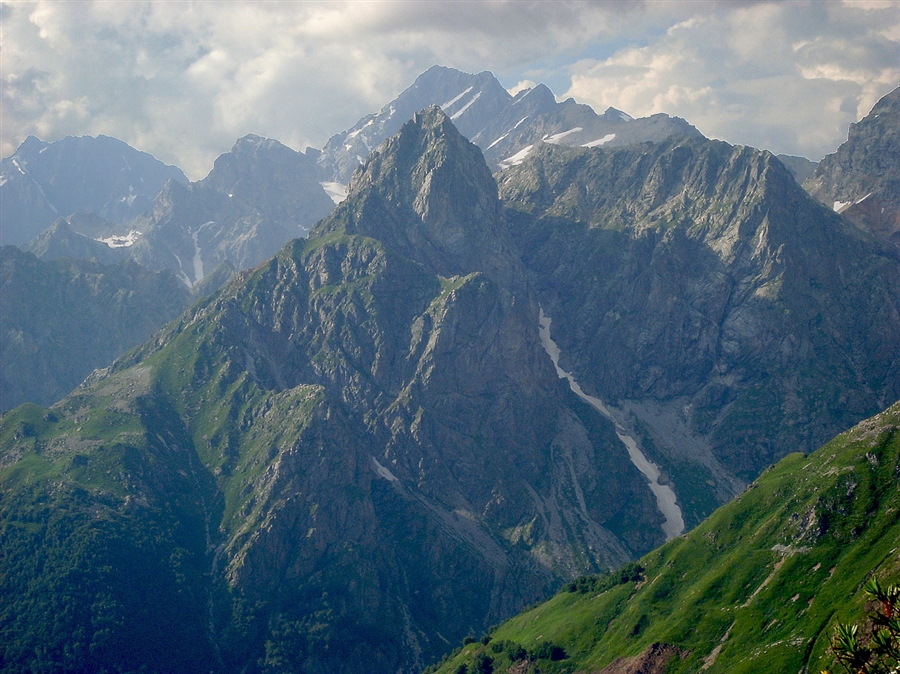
pixel 484 664
pixel 630 573
pixel 880 654
pixel 547 650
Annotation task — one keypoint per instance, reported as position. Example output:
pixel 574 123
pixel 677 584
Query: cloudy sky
pixel 183 80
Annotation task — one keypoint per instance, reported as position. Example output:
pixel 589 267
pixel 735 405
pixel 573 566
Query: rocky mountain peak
pixel 440 200
pixel 539 95
pixel 861 180
pixel 257 160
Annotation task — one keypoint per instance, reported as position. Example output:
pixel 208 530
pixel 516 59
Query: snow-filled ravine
pixel 665 497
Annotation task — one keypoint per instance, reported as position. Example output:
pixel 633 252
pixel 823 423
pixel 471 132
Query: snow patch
pixel 466 106
pixel 121 241
pixel 625 117
pixel 2 181
pixel 198 260
pixel 666 500
pixel 337 191
pixel 841 205
pixel 453 100
pixel 557 137
pixel 600 141
pixel 864 198
pixel 517 158
pixel 131 196
pixel 384 472
pixel 520 121
pixel 492 144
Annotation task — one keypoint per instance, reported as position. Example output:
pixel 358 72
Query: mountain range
pixel 463 389
pixel 42 182
pixel 261 193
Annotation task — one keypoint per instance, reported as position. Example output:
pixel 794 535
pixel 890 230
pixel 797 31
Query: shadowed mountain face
pixel 861 180
pixel 42 182
pixel 366 427
pixel 728 318
pixel 61 319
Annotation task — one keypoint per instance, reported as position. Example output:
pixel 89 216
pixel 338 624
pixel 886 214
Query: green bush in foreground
pixel 880 653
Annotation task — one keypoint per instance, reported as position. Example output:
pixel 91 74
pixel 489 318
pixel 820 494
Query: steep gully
pixel 665 497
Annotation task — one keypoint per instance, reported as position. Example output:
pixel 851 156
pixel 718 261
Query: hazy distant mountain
pixel 257 197
pixel 61 240
pixel 505 127
pixel 61 319
pixel 861 181
pixel 800 167
pixel 42 182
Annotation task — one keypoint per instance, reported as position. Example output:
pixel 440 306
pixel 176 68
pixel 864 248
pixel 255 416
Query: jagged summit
pixel 861 181
pixel 502 125
pixel 437 194
pixel 257 196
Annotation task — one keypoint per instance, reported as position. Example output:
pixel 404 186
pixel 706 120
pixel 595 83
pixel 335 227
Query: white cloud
pixel 183 80
pixel 790 77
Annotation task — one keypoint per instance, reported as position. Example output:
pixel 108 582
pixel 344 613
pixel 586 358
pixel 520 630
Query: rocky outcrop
pixel 861 181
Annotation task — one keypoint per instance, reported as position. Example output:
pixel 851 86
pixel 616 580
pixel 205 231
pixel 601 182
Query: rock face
pixel 861 181
pixel 42 182
pixel 60 320
pixel 505 127
pixel 366 428
pixel 694 286
pixel 258 196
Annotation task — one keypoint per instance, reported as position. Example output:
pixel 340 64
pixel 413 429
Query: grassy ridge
pixel 757 587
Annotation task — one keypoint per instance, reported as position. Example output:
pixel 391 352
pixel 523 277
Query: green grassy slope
pixel 757 587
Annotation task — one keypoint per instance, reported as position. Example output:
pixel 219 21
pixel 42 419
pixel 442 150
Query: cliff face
pixel 729 317
pixel 861 180
pixel 366 426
